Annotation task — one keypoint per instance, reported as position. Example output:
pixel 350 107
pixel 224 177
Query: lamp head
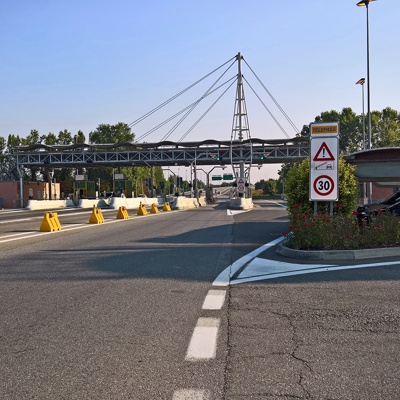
pixel 364 3
pixel 360 81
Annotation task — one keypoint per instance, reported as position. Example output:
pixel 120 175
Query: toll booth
pixel 84 189
pixel 123 186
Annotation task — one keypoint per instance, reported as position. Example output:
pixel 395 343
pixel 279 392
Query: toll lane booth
pixel 84 189
pixel 123 187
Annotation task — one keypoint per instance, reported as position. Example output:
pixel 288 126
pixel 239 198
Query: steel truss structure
pixel 209 152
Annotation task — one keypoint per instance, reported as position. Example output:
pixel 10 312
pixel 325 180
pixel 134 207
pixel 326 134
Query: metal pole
pixel 368 86
pixel 240 111
pixel 363 117
pixel 369 103
pixel 21 185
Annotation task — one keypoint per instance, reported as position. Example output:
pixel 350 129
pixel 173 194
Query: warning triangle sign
pixel 324 154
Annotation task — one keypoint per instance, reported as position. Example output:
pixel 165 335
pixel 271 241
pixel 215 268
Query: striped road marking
pixel 203 344
pixel 224 278
pixel 214 300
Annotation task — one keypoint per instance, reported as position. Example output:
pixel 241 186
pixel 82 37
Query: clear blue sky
pixel 74 65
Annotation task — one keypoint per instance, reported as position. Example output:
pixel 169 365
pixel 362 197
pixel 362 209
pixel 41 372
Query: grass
pixel 340 232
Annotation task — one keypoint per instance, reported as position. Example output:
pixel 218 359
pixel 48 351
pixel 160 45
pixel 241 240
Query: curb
pixel 338 254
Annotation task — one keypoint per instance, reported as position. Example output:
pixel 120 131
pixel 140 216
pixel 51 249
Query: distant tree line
pixel 104 133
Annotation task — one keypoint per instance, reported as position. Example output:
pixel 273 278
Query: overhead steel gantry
pixel 208 152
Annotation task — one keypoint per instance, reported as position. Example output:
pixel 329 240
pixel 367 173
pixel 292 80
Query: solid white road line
pixel 191 394
pixel 224 277
pixel 203 344
pixel 214 300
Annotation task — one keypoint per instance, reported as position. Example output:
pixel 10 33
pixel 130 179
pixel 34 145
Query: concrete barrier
pixel 241 203
pixel 177 203
pixel 48 204
pixel 134 203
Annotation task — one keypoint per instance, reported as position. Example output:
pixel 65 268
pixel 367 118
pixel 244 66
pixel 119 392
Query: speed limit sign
pixel 324 161
pixel 324 185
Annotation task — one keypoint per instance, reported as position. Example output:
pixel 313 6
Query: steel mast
pixel 240 128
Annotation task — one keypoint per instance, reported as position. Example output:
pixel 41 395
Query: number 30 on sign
pixel 324 187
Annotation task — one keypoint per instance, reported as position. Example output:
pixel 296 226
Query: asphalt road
pixel 111 311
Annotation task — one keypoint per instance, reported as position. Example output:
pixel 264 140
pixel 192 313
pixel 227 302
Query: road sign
pixel 241 184
pixel 324 185
pixel 324 161
pixel 228 177
pixel 322 129
pixel 324 153
pixel 216 178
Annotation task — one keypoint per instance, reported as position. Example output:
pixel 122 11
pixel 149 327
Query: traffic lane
pixel 26 229
pixel 109 312
pixel 325 335
pixel 28 220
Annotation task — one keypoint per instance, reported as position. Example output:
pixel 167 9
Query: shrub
pixel 342 232
pixel 297 183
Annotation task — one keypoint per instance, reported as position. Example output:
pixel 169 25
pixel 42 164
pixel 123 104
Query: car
pixel 391 204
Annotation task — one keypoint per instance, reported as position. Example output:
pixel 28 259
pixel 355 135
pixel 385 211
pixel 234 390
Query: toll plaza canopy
pixel 377 165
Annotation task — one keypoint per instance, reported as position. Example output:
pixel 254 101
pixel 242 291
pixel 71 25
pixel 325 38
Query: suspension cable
pixel 206 112
pixel 269 112
pixel 178 94
pixel 273 99
pixel 178 113
pixel 196 103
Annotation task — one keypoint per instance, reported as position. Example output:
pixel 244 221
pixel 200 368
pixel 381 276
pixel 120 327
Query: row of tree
pixel 104 133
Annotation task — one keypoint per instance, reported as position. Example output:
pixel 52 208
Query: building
pixel 10 194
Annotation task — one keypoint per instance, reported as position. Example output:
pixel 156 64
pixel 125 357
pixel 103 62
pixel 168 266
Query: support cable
pixel 178 94
pixel 178 113
pixel 269 112
pixel 195 104
pixel 273 99
pixel 206 112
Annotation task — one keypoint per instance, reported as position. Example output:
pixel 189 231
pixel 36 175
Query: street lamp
pixel 365 3
pixel 361 82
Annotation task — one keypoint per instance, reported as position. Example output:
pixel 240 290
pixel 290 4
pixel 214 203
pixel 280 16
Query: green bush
pixel 297 184
pixel 340 231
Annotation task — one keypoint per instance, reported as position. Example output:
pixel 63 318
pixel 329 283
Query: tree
pixel 387 128
pixel 106 133
pixel 297 189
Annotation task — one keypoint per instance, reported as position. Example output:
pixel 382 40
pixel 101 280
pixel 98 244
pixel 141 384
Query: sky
pixel 77 64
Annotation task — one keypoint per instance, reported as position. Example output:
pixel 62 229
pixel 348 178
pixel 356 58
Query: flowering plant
pixel 341 232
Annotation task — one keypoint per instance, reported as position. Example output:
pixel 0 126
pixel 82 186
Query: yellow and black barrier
pixel 96 216
pixel 167 206
pixel 142 210
pixel 154 208
pixel 122 213
pixel 50 222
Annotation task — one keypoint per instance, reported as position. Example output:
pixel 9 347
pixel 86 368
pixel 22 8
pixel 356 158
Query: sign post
pixel 324 161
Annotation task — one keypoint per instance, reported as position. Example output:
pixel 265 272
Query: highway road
pixel 129 309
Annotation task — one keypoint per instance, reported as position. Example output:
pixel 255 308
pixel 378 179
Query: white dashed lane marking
pixel 203 344
pixel 191 394
pixel 214 300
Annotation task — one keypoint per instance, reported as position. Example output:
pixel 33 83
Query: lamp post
pixel 361 82
pixel 365 3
